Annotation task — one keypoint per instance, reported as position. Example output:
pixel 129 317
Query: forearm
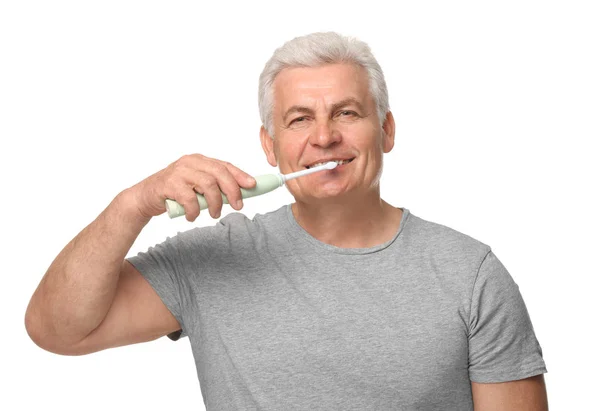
pixel 77 291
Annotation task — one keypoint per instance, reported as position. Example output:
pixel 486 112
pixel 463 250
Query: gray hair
pixel 315 50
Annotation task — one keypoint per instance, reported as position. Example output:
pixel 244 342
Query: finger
pixel 243 179
pixel 227 183
pixel 225 173
pixel 204 183
pixel 186 196
pixel 207 185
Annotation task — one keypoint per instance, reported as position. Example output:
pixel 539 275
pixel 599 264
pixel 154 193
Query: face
pixel 327 113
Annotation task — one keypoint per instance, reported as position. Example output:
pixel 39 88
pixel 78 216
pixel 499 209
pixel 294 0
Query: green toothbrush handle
pixel 264 184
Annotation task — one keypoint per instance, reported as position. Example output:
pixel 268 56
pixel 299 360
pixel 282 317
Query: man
pixel 337 301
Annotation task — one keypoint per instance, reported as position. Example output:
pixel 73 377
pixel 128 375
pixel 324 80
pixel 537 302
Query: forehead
pixel 329 84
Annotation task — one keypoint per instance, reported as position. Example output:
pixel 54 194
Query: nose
pixel 324 134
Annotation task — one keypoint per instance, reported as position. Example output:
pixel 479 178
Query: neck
pixel 349 223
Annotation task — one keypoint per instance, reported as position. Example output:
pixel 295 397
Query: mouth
pixel 338 161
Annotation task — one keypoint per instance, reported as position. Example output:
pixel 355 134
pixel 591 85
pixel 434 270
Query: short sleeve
pixel 164 267
pixel 502 343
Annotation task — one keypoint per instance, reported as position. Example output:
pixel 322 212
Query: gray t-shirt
pixel 278 320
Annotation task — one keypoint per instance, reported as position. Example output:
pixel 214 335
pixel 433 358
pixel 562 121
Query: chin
pixel 331 193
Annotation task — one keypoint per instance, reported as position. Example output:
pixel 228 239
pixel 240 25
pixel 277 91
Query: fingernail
pixel 238 203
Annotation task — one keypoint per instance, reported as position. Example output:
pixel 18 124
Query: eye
pixel 298 120
pixel 346 113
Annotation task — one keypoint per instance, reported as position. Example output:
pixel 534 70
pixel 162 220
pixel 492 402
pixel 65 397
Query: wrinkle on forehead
pixel 315 86
pixel 320 85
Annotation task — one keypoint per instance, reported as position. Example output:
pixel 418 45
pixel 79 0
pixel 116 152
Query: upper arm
pixel 527 394
pixel 136 315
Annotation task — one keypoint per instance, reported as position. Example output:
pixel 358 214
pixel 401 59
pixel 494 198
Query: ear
pixel 389 132
pixel 268 146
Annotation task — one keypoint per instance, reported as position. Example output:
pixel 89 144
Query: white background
pixel 497 108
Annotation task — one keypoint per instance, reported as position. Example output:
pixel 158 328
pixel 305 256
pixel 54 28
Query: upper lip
pixel 325 160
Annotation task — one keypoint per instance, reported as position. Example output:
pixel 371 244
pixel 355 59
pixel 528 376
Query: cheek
pixel 289 149
pixel 294 148
pixel 362 135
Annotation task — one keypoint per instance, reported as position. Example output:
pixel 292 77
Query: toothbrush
pixel 264 184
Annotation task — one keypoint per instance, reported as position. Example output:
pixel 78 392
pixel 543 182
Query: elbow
pixel 32 326
pixel 43 338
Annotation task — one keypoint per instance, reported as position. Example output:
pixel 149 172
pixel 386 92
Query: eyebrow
pixel 307 110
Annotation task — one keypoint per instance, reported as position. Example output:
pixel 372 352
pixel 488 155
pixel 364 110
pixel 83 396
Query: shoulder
pixel 445 246
pixel 432 234
pixel 239 222
pixel 236 232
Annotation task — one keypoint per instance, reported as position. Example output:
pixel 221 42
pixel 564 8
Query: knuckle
pixel 188 196
pixel 176 167
pixel 221 167
pixel 228 167
pixel 210 181
pixel 197 158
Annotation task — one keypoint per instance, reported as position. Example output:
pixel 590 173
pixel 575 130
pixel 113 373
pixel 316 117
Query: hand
pixel 182 179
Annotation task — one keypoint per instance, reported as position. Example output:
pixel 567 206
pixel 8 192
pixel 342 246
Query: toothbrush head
pixel 330 165
pixel 327 166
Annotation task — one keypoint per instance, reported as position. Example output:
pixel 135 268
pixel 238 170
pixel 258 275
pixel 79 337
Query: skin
pixel 528 394
pixel 335 117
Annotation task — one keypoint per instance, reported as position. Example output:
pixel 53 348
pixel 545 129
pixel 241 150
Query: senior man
pixel 337 301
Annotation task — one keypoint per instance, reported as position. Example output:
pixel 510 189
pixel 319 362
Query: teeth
pixel 339 162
